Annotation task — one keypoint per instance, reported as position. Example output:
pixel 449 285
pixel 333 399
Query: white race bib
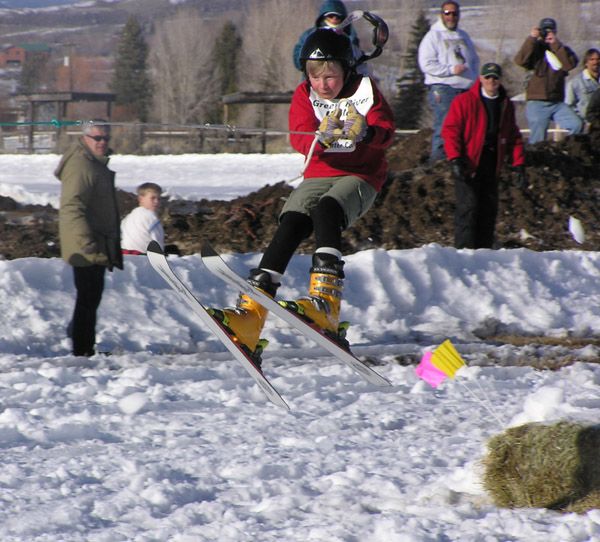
pixel 362 99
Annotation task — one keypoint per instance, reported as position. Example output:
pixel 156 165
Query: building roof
pixel 33 47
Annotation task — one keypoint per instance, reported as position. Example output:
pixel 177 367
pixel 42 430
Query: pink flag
pixel 429 372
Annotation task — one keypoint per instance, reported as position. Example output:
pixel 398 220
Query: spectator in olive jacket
pixel 88 227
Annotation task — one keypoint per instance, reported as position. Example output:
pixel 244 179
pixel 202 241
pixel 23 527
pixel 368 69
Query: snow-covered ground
pixel 169 439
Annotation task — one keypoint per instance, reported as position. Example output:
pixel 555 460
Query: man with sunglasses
pixel 450 63
pixel 479 132
pixel 89 227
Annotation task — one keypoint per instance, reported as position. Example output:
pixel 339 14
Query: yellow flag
pixel 447 359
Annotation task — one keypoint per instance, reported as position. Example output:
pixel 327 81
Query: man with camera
pixel 549 61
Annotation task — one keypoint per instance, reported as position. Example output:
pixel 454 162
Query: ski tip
pixel 207 250
pixel 153 246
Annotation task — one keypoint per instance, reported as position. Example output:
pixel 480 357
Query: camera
pixel 546 25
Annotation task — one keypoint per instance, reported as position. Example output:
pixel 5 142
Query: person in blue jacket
pixel 331 14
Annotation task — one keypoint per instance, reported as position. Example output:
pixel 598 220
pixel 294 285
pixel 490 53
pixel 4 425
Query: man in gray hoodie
pixel 450 63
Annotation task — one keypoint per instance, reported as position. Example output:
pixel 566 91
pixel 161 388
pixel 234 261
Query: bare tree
pixel 399 15
pixel 182 68
pixel 269 34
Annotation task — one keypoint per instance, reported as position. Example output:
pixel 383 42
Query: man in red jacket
pixel 479 132
pixel 346 169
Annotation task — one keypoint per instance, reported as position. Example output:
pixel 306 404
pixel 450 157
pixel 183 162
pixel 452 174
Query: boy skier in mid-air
pixel 347 169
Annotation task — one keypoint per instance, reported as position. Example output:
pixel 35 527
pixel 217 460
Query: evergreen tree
pixel 33 72
pixel 226 59
pixel 131 82
pixel 410 99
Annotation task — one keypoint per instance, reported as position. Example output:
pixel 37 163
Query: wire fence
pixel 54 135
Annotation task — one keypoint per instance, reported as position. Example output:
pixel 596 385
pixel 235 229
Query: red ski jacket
pixel 464 128
pixel 367 161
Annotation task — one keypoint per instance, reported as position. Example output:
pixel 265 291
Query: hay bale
pixel 547 466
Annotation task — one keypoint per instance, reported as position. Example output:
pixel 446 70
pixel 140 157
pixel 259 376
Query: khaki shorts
pixel 354 195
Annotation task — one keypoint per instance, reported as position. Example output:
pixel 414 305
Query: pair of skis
pixel 218 267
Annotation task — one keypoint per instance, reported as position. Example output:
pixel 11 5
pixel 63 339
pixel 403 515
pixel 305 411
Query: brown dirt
pixel 415 207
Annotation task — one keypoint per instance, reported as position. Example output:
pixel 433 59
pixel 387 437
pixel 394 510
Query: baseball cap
pixel 548 23
pixel 333 13
pixel 491 68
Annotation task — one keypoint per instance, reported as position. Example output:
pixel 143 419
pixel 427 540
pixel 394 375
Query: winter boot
pixel 246 320
pixel 322 305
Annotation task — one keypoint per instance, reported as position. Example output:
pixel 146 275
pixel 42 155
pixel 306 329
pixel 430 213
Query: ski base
pixel 159 262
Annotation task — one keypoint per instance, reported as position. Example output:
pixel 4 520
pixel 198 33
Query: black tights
pixel 326 218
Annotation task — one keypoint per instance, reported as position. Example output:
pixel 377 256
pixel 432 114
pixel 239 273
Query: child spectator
pixel 331 14
pixel 142 225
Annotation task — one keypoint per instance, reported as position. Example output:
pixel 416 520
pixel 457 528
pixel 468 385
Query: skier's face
pixel 327 82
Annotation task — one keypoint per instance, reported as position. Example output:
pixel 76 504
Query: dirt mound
pixel 415 207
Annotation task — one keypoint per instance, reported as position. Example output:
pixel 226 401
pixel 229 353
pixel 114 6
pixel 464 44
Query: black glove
pixel 521 179
pixel 458 168
pixel 172 249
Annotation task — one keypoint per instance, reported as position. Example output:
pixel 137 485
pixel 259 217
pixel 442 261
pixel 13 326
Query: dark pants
pixel 326 219
pixel 477 206
pixel 89 283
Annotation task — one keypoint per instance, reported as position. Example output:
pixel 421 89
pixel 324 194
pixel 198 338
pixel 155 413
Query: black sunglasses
pixel 450 13
pixel 491 77
pixel 99 138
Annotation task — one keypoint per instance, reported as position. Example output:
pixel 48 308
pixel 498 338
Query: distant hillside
pixel 90 26
pixel 9 4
